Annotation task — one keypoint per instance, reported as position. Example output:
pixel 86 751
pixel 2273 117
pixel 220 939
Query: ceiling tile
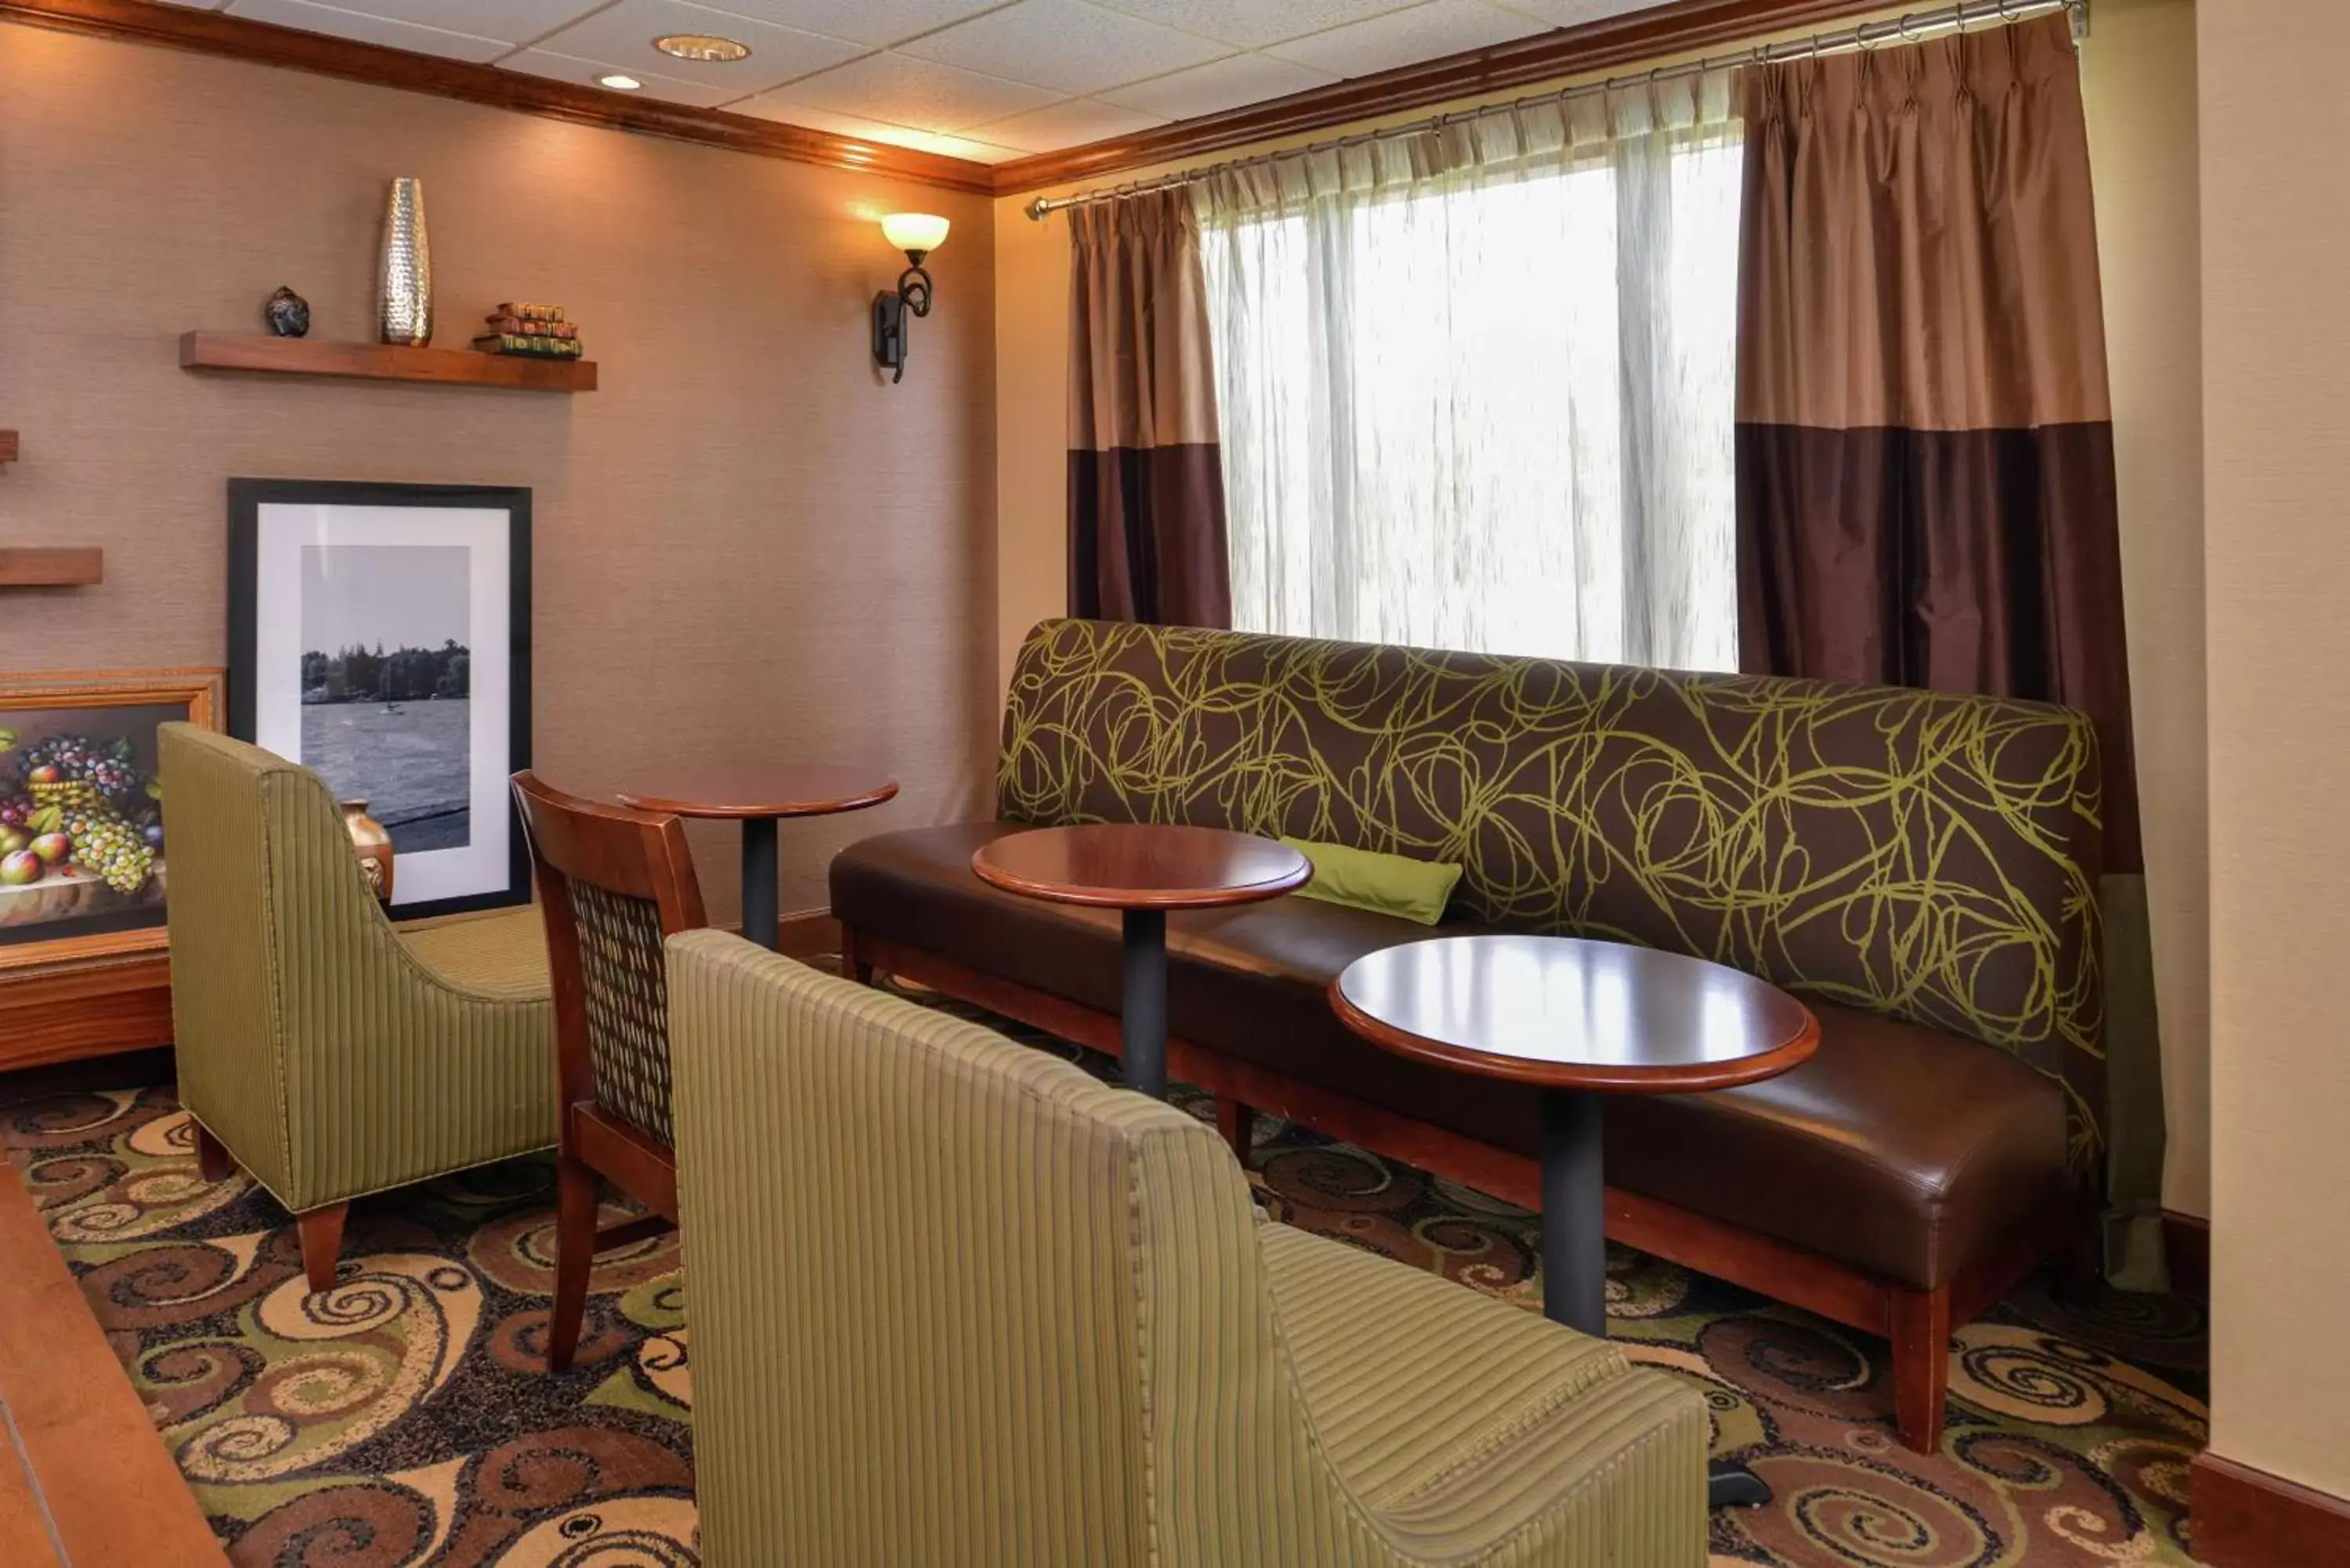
pixel 1216 86
pixel 1406 38
pixel 369 29
pixel 1070 124
pixel 875 22
pixel 514 21
pixel 1065 45
pixel 622 38
pixel 1253 23
pixel 1571 13
pixel 768 106
pixel 1568 13
pixel 976 151
pixel 563 69
pixel 901 90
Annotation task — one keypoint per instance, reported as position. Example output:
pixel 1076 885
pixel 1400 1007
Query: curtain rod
pixel 1911 29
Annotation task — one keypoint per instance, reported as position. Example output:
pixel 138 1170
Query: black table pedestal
pixel 1574 1246
pixel 761 919
pixel 1142 1025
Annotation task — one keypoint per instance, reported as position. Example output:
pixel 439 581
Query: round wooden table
pixel 1142 869
pixel 1578 1019
pixel 759 795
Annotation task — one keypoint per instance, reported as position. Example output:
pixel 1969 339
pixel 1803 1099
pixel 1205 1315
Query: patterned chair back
pixel 1930 855
pixel 614 882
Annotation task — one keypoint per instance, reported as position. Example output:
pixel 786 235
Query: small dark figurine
pixel 288 313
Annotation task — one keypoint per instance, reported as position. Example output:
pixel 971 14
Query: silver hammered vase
pixel 407 267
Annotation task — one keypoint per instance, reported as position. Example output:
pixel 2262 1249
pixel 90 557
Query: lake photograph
pixel 386 708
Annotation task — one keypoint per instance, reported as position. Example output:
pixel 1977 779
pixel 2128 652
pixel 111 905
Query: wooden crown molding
pixel 1676 29
pixel 235 37
pixel 2243 1518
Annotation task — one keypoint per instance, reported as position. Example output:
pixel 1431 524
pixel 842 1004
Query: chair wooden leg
pixel 1921 1365
pixel 212 1160
pixel 1237 1123
pixel 574 1253
pixel 851 966
pixel 321 1231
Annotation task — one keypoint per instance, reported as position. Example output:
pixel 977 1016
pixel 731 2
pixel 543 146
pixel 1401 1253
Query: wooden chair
pixel 614 883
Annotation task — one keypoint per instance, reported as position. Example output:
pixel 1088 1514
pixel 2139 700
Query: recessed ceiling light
pixel 701 46
pixel 620 83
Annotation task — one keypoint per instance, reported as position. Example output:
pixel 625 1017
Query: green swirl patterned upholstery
pixel 628 1004
pixel 1927 856
pixel 334 1054
pixel 1101 1357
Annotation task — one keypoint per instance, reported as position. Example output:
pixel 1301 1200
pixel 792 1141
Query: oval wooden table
pixel 1143 870
pixel 759 795
pixel 1578 1019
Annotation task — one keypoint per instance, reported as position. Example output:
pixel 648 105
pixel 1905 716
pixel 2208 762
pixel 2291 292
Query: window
pixel 1487 407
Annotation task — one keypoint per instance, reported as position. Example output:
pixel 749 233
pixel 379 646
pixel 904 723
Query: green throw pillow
pixel 1383 884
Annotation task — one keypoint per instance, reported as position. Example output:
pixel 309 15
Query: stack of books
pixel 533 331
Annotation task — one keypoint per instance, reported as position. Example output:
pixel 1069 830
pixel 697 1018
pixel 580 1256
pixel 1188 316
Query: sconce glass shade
pixel 915 230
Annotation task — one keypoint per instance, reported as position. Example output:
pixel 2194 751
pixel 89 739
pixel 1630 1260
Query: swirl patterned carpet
pixel 405 1418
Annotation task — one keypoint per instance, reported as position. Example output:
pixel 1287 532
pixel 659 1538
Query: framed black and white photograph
pixel 379 636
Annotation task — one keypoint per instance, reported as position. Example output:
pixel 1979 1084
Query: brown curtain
pixel 1145 479
pixel 1925 439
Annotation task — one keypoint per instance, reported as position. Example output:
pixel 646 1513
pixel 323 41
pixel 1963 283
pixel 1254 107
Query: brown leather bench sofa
pixel 1921 868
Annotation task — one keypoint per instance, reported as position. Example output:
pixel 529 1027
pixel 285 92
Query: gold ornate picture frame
pixel 84 866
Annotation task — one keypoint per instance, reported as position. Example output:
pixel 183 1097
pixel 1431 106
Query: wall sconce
pixel 918 235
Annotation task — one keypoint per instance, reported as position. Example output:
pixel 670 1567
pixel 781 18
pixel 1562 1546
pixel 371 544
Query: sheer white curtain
pixel 1476 383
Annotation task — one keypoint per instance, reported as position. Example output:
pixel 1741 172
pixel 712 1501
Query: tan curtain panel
pixel 1147 534
pixel 1925 440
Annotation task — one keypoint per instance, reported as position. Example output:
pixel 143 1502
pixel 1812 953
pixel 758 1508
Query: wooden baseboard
pixel 810 933
pixel 84 1477
pixel 2244 1518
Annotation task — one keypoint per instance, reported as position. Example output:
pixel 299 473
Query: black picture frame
pixel 246 497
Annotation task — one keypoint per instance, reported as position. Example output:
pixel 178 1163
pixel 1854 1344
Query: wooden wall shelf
pixel 70 566
pixel 257 352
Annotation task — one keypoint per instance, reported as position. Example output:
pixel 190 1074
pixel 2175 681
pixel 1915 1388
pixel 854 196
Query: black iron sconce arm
pixel 890 311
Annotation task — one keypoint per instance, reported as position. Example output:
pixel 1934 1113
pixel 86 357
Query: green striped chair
pixel 954 1301
pixel 327 1051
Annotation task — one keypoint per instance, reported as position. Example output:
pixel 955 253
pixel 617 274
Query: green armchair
pixel 327 1051
pixel 954 1301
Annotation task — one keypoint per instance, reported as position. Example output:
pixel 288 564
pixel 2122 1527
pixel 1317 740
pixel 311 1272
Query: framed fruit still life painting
pixel 83 869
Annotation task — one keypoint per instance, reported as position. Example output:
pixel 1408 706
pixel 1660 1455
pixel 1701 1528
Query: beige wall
pixel 2276 381
pixel 1032 425
pixel 747 545
pixel 2140 84
pixel 2138 79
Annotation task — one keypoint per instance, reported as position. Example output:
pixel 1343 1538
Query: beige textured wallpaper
pixel 746 545
pixel 2138 80
pixel 2276 381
